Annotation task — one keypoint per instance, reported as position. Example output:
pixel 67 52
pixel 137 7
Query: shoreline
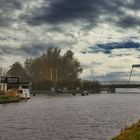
pixel 130 133
pixel 5 100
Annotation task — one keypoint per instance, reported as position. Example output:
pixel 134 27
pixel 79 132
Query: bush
pixel 4 98
pixel 2 92
pixel 11 93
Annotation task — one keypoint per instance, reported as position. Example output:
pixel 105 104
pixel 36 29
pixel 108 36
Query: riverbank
pixel 131 133
pixel 5 99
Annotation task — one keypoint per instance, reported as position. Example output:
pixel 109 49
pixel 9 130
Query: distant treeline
pixel 52 69
pixel 93 86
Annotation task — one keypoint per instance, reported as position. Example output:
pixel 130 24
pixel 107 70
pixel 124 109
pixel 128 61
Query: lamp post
pixel 51 74
pixel 56 72
pixel 55 77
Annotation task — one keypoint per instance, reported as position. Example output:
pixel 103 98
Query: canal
pixel 93 117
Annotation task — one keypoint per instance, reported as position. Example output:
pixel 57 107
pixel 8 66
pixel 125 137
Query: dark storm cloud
pixel 35 49
pixel 65 11
pixel 128 21
pixel 5 50
pixel 61 11
pixel 6 11
pixel 107 48
pixel 28 50
pixel 4 22
pixel 135 5
pixel 5 19
pixel 10 4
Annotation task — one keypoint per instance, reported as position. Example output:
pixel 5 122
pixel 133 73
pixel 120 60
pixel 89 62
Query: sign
pixel 10 80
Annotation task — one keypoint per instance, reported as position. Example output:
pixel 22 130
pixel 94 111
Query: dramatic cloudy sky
pixel 104 34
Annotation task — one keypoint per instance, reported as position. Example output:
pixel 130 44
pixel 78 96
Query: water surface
pixel 93 117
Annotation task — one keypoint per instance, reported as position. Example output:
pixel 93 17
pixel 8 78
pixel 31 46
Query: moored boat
pixel 23 93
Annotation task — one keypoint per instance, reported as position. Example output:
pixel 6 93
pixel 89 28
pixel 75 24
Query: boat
pixel 12 83
pixel 24 91
pixel 84 93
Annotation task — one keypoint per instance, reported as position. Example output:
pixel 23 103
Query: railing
pixel 119 82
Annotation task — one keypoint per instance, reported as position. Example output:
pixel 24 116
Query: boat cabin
pixel 23 89
pixel 7 83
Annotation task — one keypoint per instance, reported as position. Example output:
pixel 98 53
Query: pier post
pixel 112 90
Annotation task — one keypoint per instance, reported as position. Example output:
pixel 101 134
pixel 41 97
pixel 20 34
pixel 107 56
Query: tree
pixel 50 62
pixel 27 66
pixel 16 70
pixel 51 67
pixel 70 67
pixel 93 86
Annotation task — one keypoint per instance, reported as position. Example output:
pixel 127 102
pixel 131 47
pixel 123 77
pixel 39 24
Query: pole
pixel 56 75
pixel 130 74
pixel 82 85
pixel 51 74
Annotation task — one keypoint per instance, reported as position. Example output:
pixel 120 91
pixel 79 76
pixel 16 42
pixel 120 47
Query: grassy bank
pixel 5 99
pixel 131 133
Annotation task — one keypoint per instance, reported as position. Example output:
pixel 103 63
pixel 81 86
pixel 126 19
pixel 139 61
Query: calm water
pixel 93 117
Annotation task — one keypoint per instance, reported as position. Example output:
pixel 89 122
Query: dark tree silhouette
pixel 17 70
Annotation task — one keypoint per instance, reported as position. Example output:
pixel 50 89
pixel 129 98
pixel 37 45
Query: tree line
pixel 51 69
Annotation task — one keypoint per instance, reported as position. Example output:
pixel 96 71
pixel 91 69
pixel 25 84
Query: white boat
pixel 24 93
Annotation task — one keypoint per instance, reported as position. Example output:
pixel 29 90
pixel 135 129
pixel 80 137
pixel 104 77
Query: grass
pixel 131 133
pixel 6 99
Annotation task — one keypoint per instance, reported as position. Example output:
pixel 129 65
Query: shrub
pixel 2 92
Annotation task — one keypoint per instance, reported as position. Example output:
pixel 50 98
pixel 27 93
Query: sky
pixel 103 34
